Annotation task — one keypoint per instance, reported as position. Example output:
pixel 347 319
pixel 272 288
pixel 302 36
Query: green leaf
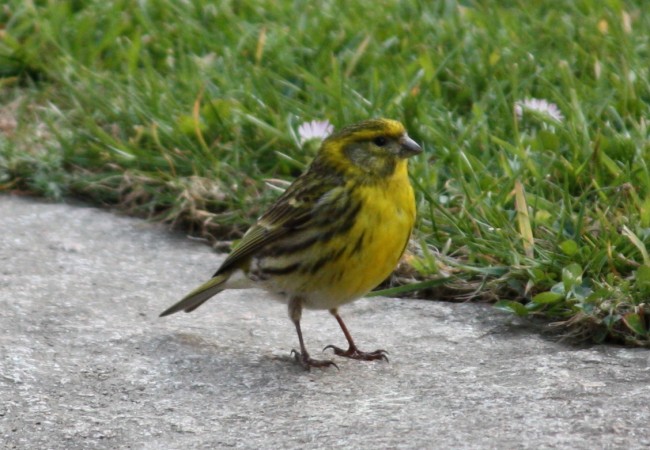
pixel 558 288
pixel 635 323
pixel 548 297
pixel 643 278
pixel 569 247
pixel 582 292
pixel 511 307
pixel 571 276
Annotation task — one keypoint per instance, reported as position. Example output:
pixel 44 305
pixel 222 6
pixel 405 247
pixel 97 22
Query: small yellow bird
pixel 336 233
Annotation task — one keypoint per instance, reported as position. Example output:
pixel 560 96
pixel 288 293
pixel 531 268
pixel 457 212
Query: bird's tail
pixel 199 295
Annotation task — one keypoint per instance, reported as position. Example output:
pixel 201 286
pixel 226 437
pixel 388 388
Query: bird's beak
pixel 408 147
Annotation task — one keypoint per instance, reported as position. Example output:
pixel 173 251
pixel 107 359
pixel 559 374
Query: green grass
pixel 179 110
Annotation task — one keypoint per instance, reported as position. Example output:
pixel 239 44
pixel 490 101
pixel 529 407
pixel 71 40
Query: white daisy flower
pixel 316 129
pixel 540 106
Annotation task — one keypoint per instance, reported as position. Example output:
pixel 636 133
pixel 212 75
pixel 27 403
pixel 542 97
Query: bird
pixel 335 233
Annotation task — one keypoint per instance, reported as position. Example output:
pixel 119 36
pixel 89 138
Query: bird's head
pixel 373 147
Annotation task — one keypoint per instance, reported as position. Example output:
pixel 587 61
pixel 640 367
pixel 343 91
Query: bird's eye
pixel 380 141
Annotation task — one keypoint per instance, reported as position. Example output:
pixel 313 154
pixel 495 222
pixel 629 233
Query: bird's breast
pixel 351 255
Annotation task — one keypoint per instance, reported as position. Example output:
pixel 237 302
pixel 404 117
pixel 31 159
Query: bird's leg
pixel 295 312
pixel 352 351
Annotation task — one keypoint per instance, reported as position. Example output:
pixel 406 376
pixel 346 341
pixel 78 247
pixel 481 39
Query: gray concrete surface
pixel 86 363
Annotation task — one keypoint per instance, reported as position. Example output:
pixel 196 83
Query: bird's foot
pixel 307 362
pixel 354 353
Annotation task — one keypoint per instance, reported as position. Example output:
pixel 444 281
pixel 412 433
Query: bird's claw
pixel 307 362
pixel 355 353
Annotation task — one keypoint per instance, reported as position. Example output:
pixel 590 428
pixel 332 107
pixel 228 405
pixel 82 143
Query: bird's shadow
pixel 194 358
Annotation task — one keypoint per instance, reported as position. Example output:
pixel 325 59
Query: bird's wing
pixel 294 210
